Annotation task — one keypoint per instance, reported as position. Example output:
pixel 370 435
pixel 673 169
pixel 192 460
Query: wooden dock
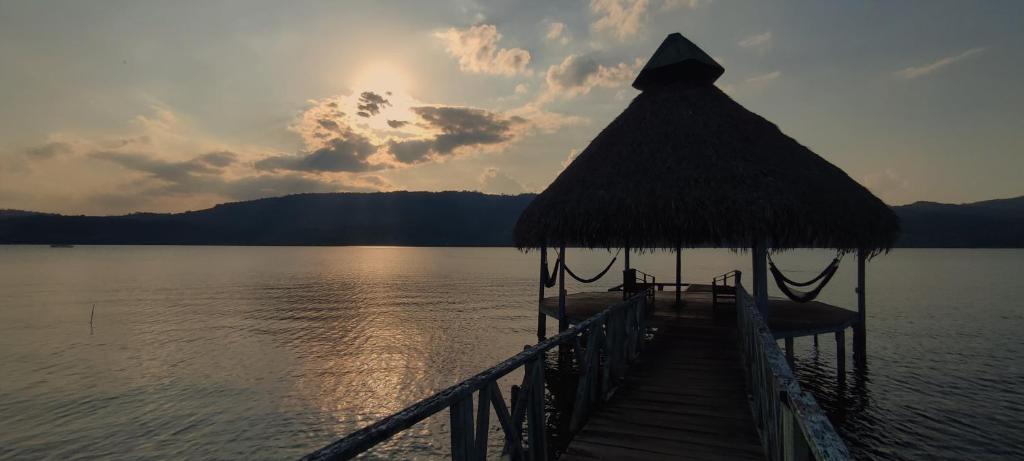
pixel 684 397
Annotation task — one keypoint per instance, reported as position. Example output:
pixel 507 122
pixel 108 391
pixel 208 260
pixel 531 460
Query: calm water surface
pixel 217 352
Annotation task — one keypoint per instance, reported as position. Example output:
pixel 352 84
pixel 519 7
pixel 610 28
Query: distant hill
pixel 988 224
pixel 385 218
pixel 429 219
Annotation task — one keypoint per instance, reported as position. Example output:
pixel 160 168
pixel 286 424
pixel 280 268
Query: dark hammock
pixel 549 276
pixel 592 279
pixel 803 296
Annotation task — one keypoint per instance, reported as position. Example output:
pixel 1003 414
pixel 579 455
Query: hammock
pixel 550 280
pixel 594 278
pixel 821 279
pixel 549 277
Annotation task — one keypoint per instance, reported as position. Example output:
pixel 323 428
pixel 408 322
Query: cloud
pixel 522 88
pixel 577 75
pixel 888 185
pixel 569 158
pixel 673 4
pixel 180 173
pixel 370 104
pixel 623 18
pixel 913 72
pixel 407 132
pixel 538 119
pixel 202 175
pixel 454 128
pixel 49 150
pixel 347 153
pixel 478 52
pixel 260 186
pixel 219 159
pixel 494 181
pixel 756 40
pixel 557 32
pixel 165 163
pixel 766 77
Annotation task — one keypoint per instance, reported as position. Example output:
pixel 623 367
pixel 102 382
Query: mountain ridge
pixel 449 218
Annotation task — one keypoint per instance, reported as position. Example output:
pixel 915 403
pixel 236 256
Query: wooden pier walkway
pixel 685 397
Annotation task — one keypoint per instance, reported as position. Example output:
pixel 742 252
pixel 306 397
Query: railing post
pixel 461 413
pixel 794 444
pixel 536 428
pixel 483 421
pixel 513 445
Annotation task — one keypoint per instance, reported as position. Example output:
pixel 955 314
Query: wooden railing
pixel 612 338
pixel 792 425
pixel 720 287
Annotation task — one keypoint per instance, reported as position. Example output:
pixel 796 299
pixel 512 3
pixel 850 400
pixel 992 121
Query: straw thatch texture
pixel 685 163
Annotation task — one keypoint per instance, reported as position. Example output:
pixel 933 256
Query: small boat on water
pixel 61 245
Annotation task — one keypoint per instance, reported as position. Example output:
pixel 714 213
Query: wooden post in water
pixel 542 318
pixel 563 322
pixel 789 350
pixel 760 266
pixel 860 327
pixel 841 354
pixel 679 274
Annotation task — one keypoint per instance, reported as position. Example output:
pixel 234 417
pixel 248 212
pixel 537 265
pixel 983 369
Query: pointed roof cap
pixel 678 59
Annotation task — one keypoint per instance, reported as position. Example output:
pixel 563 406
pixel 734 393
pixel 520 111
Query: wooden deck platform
pixel 685 398
pixel 787 318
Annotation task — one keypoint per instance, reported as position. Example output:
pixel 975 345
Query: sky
pixel 111 107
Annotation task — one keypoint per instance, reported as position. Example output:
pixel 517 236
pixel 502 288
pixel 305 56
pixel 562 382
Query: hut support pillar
pixel 563 322
pixel 625 272
pixel 860 327
pixel 542 318
pixel 679 275
pixel 760 267
pixel 789 350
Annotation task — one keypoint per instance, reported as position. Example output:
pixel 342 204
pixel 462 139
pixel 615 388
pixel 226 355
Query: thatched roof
pixel 684 163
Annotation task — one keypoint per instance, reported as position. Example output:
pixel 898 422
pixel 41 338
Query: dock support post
pixel 563 323
pixel 860 327
pixel 542 318
pixel 679 275
pixel 789 350
pixel 760 267
pixel 841 354
pixel 625 295
pixel 815 341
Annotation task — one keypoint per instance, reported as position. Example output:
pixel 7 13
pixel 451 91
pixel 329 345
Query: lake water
pixel 218 352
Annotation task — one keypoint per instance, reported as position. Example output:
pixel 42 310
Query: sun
pixel 382 77
pixel 392 83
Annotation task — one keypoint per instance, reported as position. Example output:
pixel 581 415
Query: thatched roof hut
pixel 685 165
